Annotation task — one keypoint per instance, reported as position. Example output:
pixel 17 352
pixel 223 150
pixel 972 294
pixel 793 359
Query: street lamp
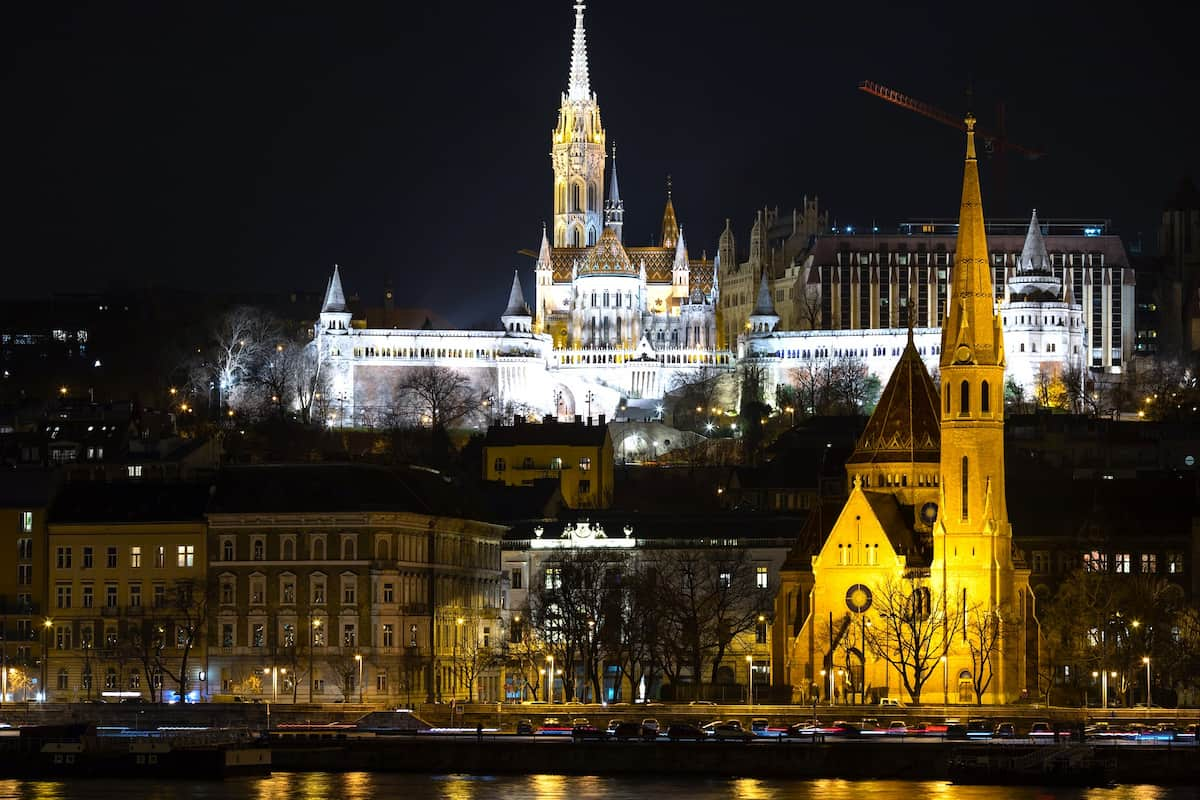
pixel 46 626
pixel 550 679
pixel 312 644
pixel 829 687
pixel 1146 661
pixel 358 658
pixel 750 680
pixel 945 683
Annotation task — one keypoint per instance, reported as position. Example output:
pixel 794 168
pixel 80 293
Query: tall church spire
pixel 614 206
pixel 971 333
pixel 578 88
pixel 335 298
pixel 670 227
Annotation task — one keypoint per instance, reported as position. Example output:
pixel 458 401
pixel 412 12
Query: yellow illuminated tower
pixel 972 562
pixel 577 154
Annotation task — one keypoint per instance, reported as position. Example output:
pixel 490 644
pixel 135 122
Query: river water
pixel 364 786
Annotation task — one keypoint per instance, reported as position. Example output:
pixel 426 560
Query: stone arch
pixel 966 687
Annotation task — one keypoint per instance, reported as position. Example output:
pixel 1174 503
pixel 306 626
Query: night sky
pixel 254 144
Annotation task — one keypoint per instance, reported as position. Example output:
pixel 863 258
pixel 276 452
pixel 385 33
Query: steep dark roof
pixel 905 427
pixel 129 501
pixel 27 488
pixel 293 488
pixel 576 434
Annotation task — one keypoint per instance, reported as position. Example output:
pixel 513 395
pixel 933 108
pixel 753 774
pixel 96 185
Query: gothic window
pixel 947 398
pixel 984 400
pixel 965 399
pixel 591 236
pixel 562 199
pixel 576 196
pixel 592 204
pixel 965 475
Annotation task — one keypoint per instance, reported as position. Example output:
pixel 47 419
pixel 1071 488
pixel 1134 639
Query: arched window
pixel 591 240
pixel 965 476
pixel 227 550
pixel 984 401
pixel 289 550
pixel 348 550
pixel 964 406
pixel 260 550
pixel 318 550
pixel 576 196
pixel 592 204
pixel 381 549
pixel 947 398
pixel 562 197
pixel 577 236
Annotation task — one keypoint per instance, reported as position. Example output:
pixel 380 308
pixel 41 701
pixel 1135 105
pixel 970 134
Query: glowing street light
pixel 750 680
pixel 1146 661
pixel 550 679
pixel 314 629
pixel 358 657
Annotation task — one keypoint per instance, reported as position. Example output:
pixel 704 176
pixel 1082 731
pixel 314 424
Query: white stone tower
pixel 577 153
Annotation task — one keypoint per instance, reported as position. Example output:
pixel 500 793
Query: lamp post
pixel 1103 688
pixel 550 679
pixel 312 644
pixel 945 684
pixel 46 626
pixel 358 658
pixel 829 686
pixel 1146 661
pixel 750 680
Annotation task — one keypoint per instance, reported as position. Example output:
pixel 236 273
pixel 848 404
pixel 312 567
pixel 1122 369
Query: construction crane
pixel 994 142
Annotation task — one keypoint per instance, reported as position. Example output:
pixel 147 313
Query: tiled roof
pixel 905 427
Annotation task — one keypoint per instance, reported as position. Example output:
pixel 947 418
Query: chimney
pixel 578 418
pixel 546 420
pixel 601 420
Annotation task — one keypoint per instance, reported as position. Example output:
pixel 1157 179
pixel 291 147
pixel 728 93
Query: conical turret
pixel 335 316
pixel 517 317
pixel 1034 278
pixel 763 319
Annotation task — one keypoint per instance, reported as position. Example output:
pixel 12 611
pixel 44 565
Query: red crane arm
pixel 933 112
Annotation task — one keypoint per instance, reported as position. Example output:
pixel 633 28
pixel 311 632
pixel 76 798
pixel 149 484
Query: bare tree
pixel 345 667
pixel 475 653
pixel 913 630
pixel 237 345
pixel 186 616
pixel 695 394
pixel 436 397
pixel 984 626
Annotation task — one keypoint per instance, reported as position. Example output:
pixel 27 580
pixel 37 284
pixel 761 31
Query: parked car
pixel 1041 731
pixel 702 703
pixel 978 728
pixel 650 724
pixel 553 726
pixel 525 727
pixel 842 728
pixel 581 728
pixel 612 725
pixel 680 731
pixel 808 727
pixel 731 730
pixel 890 702
pixel 134 701
pixel 627 731
pixel 1004 730
pixel 897 727
pixel 956 730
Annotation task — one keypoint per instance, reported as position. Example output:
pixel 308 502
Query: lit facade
pixel 578 455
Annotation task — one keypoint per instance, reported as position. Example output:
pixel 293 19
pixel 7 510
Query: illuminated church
pixel 914 580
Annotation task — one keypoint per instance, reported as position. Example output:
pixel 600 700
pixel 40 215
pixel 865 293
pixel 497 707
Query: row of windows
pixel 1099 561
pixel 556 463
pixel 288 634
pixel 964 394
pixel 185 556
pixel 64 595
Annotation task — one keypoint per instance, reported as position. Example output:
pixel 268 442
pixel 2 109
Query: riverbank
pixel 853 760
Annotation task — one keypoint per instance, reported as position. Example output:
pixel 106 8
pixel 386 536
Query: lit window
pixel 725 580
pixel 760 577
pixel 26 522
pixel 1121 562
pixel 186 555
pixel 1149 563
pixel 553 578
pixel 1174 563
pixel 585 464
pixel 135 556
pixel 135 470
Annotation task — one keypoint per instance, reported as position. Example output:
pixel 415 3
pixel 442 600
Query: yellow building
pixel 913 591
pixel 127 592
pixel 578 454
pixel 24 502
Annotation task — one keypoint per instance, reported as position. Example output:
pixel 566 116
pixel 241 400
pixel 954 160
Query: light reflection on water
pixel 367 786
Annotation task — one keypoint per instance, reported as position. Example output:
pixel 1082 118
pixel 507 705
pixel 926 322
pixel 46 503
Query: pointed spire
pixel 578 88
pixel 335 298
pixel 517 307
pixel 1034 257
pixel 970 333
pixel 670 227
pixel 765 305
pixel 681 253
pixel 543 258
pixel 905 426
pixel 614 194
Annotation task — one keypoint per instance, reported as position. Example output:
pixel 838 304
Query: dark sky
pixel 253 144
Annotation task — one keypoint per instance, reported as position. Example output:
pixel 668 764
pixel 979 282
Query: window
pixel 319 685
pixel 88 557
pixel 135 595
pixel 760 577
pixel 111 558
pixel 388 634
pixel 135 470
pixel 1174 563
pixel 289 635
pixel 25 549
pixel 26 522
pixel 516 579
pixel 1041 561
pixel 349 591
pixel 348 549
pixel 88 596
pixel 1121 562
pixel 318 549
pixel 185 555
pixel 725 580
pixel 288 592
pixel 389 593
pixel 1149 563
pixel 228 592
pixel 965 398
pixel 1095 561
pixel 258 635
pixel 553 578
pixel 85 680
pixel 965 475
pixel 160 595
pixel 227 634
pixel 498 465
pixel 585 487
pixel 318 591
pixel 24 574
pixel 227 550
pixel 110 678
pixel 63 596
pixel 318 634
pixel 63 558
pixel 160 557
pixel 760 633
pixel 258 590
pixel 259 550
pixel 135 680
pixel 289 550
pixel 381 682
pixel 585 464
pixel 349 635
pixel 487 636
pixel 984 398
pixel 135 556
